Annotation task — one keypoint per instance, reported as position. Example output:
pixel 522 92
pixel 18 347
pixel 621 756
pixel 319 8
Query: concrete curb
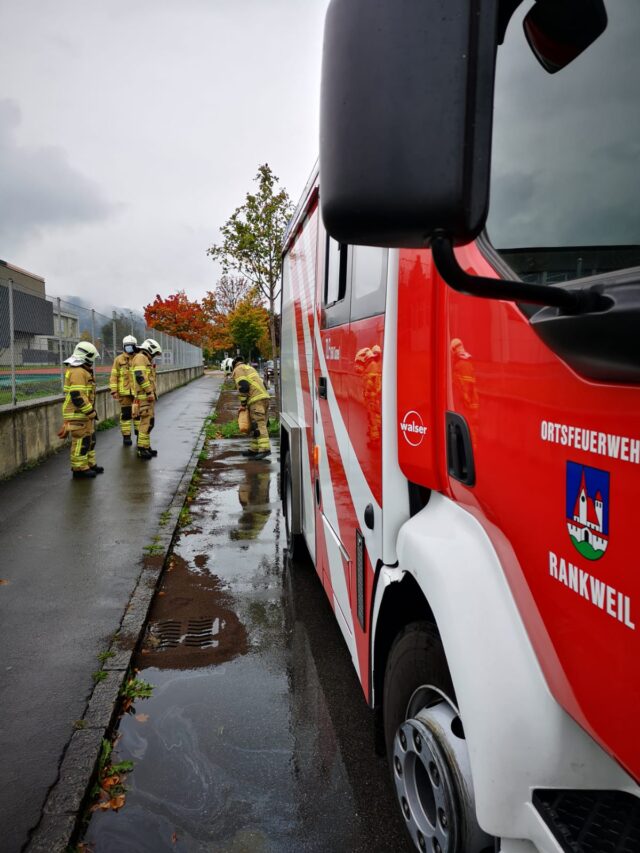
pixel 63 807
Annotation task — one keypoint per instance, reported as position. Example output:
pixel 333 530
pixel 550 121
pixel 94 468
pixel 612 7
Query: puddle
pixel 256 737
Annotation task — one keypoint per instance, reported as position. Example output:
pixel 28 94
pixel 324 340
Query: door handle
pixel 322 387
pixel 459 449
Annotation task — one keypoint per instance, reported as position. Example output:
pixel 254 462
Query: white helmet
pixel 84 353
pixel 129 340
pixel 151 347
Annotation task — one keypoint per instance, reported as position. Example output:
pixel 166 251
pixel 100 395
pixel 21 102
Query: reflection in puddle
pixel 253 494
pixel 256 737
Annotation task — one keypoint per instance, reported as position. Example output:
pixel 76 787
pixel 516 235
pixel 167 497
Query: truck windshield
pixel 565 185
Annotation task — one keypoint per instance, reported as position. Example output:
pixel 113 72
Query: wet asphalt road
pixel 71 552
pixel 257 736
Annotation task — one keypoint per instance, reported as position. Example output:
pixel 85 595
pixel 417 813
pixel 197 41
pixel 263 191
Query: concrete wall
pixel 28 432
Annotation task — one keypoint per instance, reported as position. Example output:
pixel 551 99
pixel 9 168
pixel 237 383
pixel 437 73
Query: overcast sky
pixel 131 129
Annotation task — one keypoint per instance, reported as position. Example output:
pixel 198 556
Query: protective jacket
pixel 80 394
pixel 143 376
pixel 120 381
pixel 249 384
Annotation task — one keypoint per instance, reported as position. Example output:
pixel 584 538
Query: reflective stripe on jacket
pixel 256 390
pixel 120 380
pixel 143 376
pixel 80 394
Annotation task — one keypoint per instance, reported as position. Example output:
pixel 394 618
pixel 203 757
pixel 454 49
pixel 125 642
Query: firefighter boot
pixel 98 469
pixel 127 441
pixel 144 453
pixel 263 454
pixel 153 452
pixel 86 474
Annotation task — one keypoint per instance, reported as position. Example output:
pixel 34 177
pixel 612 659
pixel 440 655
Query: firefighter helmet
pixel 85 353
pixel 129 340
pixel 151 347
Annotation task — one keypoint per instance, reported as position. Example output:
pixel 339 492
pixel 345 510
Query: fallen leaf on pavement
pixel 117 802
pixel 110 781
pixel 174 837
pixel 142 718
pixel 4 582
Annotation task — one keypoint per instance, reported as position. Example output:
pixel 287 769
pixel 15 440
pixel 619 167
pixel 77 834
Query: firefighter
pixel 78 411
pixel 120 385
pixel 143 383
pixel 255 396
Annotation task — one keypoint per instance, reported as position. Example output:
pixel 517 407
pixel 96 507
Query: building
pixel 32 317
pixel 66 333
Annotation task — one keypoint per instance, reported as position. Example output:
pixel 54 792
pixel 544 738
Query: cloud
pixel 39 188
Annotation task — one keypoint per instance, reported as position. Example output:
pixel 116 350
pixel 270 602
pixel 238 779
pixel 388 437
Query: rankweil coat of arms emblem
pixel 587 509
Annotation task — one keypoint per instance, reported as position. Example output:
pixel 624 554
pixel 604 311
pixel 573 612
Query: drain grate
pixel 201 633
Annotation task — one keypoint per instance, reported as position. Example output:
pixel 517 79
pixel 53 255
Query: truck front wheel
pixel 426 746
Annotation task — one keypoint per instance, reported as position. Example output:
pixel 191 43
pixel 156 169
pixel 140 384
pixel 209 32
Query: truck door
pixel 331 429
pixel 349 432
pixel 363 375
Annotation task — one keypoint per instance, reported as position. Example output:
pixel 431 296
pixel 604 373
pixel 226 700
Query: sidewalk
pixel 71 552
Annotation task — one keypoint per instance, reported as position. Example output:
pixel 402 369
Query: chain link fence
pixel 38 332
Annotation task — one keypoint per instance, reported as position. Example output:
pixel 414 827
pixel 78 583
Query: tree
pixel 178 316
pixel 248 325
pixel 252 242
pixel 228 292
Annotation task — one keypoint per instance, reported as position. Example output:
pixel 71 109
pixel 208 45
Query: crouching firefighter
pixel 255 396
pixel 78 411
pixel 143 382
pixel 121 388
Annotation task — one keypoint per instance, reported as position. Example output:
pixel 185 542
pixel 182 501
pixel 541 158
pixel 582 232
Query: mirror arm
pixel 569 301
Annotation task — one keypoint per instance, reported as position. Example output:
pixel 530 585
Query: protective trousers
pixel 259 433
pixel 146 423
pixel 83 445
pixel 125 414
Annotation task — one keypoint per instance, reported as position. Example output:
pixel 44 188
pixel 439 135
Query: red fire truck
pixel 460 436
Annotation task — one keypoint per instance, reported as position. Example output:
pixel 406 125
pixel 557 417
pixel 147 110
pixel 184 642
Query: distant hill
pixel 104 313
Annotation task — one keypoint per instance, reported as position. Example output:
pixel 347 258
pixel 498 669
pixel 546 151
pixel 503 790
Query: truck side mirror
pixel 558 31
pixel 405 119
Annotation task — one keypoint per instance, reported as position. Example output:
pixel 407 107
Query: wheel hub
pixel 432 776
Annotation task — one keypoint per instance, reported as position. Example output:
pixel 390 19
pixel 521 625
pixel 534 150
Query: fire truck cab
pixel 460 425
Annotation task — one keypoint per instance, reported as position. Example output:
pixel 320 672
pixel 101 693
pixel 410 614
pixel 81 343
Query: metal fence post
pixel 13 344
pixel 60 352
pixel 93 326
pixel 113 325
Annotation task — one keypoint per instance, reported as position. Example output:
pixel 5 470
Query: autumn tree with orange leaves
pixel 230 317
pixel 177 315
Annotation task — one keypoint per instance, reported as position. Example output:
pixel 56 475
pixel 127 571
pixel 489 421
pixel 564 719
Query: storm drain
pixel 201 633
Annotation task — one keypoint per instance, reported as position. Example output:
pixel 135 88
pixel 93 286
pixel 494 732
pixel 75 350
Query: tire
pixel 426 746
pixel 416 658
pixel 295 541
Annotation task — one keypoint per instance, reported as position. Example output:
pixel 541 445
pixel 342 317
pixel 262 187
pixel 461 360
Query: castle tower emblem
pixel 587 509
